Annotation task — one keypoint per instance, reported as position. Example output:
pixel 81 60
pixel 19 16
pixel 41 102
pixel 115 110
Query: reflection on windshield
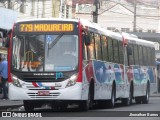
pixel 45 53
pixel 63 56
pixel 28 53
pixel 51 43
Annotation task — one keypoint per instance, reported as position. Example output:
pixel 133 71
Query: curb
pixel 4 108
pixel 154 95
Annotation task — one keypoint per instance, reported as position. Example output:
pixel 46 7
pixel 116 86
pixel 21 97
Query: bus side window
pixel 104 48
pixel 110 49
pixel 130 54
pixel 149 54
pixel 136 55
pixel 115 51
pixel 84 52
pixel 91 47
pixel 152 57
pixel 145 56
pixel 98 47
pixel 121 54
pixel 140 51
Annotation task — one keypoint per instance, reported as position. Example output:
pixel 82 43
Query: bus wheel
pixel 111 102
pixel 145 99
pixel 28 106
pixel 85 104
pixel 127 101
pixel 138 100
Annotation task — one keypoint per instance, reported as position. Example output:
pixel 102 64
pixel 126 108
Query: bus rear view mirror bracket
pixel 86 39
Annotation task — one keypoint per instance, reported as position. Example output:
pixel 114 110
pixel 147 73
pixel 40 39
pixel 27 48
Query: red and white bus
pixel 65 61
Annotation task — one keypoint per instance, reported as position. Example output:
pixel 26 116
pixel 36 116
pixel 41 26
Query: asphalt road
pixel 149 111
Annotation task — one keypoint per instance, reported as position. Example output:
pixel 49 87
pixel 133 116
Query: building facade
pixel 115 15
pixel 123 15
pixel 33 8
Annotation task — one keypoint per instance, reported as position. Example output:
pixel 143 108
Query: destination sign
pixel 44 27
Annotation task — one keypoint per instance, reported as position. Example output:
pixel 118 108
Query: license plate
pixel 43 93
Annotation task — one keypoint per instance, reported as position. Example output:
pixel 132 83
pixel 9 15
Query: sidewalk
pixel 5 104
pixel 155 95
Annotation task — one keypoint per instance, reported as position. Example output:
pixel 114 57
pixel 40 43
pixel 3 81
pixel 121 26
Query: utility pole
pixel 95 12
pixel 9 4
pixel 134 22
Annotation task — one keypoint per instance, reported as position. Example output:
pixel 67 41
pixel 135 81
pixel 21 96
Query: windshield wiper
pixel 55 41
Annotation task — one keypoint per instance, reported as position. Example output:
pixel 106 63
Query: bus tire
pixel 145 99
pixel 85 104
pixel 138 100
pixel 111 102
pixel 28 106
pixel 127 101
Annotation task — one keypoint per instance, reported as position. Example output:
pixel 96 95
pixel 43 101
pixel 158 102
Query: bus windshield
pixel 45 53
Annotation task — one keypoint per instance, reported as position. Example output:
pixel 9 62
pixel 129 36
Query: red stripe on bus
pixel 35 84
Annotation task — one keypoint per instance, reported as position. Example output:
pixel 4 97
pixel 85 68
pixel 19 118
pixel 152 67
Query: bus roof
pixel 138 41
pixel 98 29
pixel 47 19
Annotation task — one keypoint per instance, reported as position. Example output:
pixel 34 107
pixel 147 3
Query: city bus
pixel 72 61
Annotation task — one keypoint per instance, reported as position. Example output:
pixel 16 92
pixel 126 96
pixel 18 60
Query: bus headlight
pixel 15 81
pixel 72 80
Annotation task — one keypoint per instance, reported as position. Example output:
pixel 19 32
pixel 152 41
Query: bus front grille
pixel 51 95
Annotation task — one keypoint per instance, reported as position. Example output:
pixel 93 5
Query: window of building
pixel 111 28
pixel 140 30
pixel 151 31
pixel 125 29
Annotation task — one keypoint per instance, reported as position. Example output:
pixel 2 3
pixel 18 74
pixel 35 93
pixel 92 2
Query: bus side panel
pixel 141 76
pixel 153 79
pixel 105 74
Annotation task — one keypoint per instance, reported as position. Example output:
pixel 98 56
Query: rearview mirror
pixel 86 39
